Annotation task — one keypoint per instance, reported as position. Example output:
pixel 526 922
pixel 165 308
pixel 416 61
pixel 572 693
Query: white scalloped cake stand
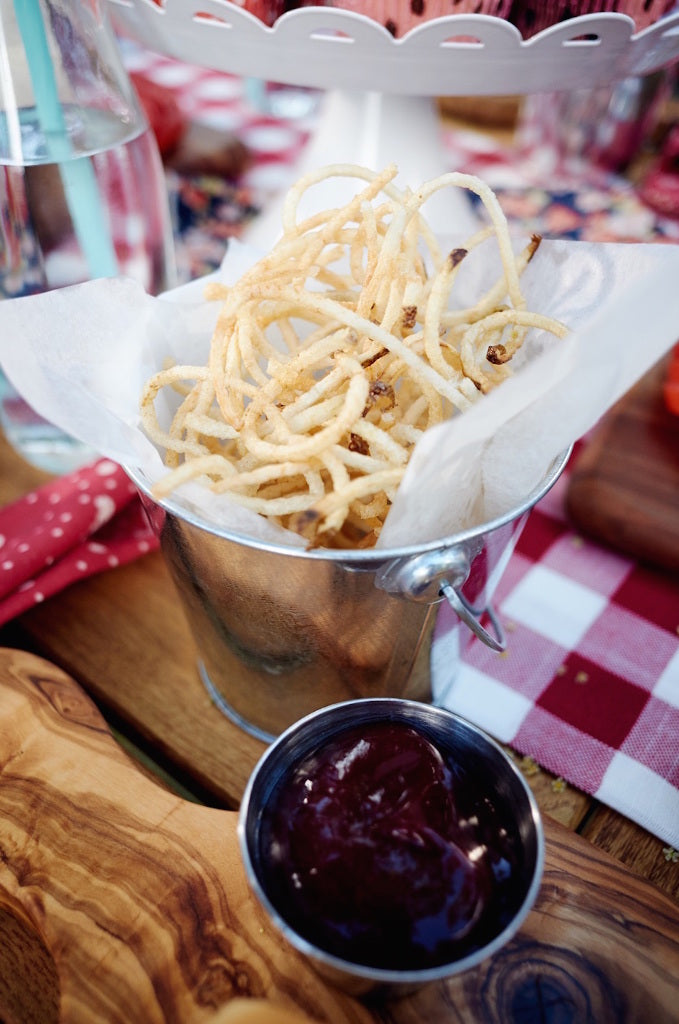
pixel 378 104
pixel 334 49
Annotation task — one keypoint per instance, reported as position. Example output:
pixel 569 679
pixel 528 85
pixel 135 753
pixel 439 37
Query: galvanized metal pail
pixel 283 631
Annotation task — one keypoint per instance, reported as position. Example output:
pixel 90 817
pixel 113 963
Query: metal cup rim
pixel 382 977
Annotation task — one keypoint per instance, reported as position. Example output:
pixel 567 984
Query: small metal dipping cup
pixel 472 754
pixel 282 631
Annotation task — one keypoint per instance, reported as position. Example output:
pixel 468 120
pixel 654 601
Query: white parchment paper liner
pixel 81 355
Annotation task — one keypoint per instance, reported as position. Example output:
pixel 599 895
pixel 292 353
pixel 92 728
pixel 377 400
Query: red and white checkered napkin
pixel 73 527
pixel 589 684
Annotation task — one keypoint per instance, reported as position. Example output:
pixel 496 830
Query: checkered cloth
pixel 589 685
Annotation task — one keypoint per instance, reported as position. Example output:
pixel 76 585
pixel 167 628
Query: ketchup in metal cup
pixel 380 851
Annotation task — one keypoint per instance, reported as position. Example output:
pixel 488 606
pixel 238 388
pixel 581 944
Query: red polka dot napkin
pixel 70 528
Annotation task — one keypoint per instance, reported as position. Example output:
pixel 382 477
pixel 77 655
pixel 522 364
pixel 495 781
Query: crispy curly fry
pixel 335 352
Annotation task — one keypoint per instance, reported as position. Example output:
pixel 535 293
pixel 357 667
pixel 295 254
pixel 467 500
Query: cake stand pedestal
pixel 374 129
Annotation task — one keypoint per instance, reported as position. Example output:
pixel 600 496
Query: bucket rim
pixel 353 555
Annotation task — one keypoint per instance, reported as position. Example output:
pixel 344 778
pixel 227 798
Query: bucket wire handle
pixel 470 616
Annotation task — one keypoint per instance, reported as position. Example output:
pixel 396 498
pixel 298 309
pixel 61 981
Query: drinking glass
pixel 82 188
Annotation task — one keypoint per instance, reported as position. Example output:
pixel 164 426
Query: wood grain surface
pixel 119 901
pixel 624 486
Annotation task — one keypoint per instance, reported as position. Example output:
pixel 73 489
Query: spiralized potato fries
pixel 335 352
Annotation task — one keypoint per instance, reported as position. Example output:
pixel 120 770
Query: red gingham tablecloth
pixel 589 684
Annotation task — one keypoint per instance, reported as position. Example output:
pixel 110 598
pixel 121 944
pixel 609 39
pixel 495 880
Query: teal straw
pixel 79 181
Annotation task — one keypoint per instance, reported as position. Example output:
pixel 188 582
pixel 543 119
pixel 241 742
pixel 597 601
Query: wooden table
pixel 123 638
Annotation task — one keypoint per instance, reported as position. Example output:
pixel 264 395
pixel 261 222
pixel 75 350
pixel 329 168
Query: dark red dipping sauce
pixel 377 850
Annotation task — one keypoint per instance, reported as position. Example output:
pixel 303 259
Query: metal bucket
pixel 282 631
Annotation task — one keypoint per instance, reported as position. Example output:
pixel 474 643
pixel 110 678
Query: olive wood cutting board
pixel 624 485
pixel 122 902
